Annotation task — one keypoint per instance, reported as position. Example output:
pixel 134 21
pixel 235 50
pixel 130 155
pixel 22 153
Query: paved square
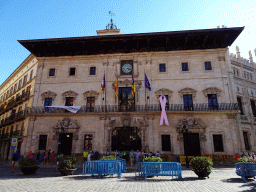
pixel 48 179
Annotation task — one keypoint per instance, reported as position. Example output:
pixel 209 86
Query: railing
pixel 15 101
pixel 139 108
pixel 13 117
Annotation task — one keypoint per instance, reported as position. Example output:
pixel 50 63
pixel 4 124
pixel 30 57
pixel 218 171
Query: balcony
pixel 12 103
pixel 14 117
pixel 138 108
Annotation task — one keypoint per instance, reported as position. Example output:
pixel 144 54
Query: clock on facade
pixel 126 67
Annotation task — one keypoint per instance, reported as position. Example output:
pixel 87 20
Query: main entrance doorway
pixel 126 139
pixel 65 143
pixel 126 100
pixel 192 144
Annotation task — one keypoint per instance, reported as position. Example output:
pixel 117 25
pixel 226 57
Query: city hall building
pixel 70 113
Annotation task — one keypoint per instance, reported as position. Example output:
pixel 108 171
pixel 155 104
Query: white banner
pixel 72 109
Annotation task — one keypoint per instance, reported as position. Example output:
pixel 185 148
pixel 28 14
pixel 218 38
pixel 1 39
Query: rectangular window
pixel 28 90
pixel 90 104
pixel 7 95
pixel 69 101
pixel 253 108
pixel 48 102
pixel 72 71
pixel 52 72
pixel 208 65
pixel 188 102
pixel 20 81
pixel 167 102
pixel 212 101
pixel 240 106
pixel 92 70
pixel 162 67
pixel 166 143
pixel 87 142
pixel 11 91
pixel 218 143
pixel 15 87
pixel 42 142
pixel 246 141
pixel 184 66
pixel 31 74
pixel 25 80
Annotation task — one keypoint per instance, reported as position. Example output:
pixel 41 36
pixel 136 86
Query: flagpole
pixel 145 90
pixel 105 90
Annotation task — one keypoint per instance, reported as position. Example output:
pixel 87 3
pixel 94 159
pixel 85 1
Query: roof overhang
pixel 138 42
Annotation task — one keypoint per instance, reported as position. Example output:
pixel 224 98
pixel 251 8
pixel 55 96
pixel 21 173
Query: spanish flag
pixel 116 88
pixel 133 87
pixel 103 84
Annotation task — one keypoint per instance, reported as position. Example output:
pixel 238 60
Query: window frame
pixel 240 105
pixel 247 143
pixel 50 74
pixel 91 70
pixel 70 70
pixel 91 106
pixel 31 74
pixel 205 68
pixel 25 79
pixel 48 102
pixel 91 141
pixel 44 147
pixel 182 67
pixel 188 107
pixel 216 145
pixel 162 144
pixel 159 67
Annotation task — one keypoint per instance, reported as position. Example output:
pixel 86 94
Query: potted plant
pixel 202 166
pixel 108 157
pixel 67 165
pixel 153 159
pixel 28 166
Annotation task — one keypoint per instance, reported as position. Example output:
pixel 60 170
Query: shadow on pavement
pixel 250 183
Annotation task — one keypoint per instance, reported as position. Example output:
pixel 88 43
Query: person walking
pixel 131 155
pixel 15 157
pixel 89 158
pixel 138 156
pixel 30 155
pixel 85 155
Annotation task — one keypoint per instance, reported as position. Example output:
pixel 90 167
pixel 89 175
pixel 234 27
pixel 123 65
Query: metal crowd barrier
pixel 246 170
pixel 101 168
pixel 144 169
pixel 123 163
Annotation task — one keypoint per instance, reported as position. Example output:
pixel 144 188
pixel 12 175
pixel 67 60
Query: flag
pixel 103 84
pixel 147 84
pixel 116 87
pixel 133 87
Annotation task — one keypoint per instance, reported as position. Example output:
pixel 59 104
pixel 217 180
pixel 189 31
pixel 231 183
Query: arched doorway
pixel 126 139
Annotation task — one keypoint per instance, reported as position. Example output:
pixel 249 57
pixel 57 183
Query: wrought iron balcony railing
pixel 13 117
pixel 138 108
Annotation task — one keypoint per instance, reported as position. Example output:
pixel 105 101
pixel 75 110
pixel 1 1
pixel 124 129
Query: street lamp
pixel 185 130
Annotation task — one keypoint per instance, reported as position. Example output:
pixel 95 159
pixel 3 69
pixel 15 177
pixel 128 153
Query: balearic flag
pixel 133 87
pixel 116 88
pixel 147 84
pixel 103 84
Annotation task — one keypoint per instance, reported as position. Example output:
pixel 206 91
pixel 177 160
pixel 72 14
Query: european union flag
pixel 147 84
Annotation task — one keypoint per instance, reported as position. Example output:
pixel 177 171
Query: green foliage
pixel 201 164
pixel 27 163
pixel 244 160
pixel 153 159
pixel 67 162
pixel 109 157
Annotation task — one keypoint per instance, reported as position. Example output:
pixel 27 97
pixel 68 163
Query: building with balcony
pixel 69 112
pixel 243 76
pixel 16 95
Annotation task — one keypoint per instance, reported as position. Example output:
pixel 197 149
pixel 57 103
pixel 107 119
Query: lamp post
pixel 60 129
pixel 185 129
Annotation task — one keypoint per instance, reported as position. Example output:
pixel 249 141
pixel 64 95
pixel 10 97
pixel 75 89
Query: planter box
pixel 29 170
pixel 65 172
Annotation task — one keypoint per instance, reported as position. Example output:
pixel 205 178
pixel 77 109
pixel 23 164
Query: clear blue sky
pixel 39 19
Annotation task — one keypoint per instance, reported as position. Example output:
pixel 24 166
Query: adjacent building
pixel 16 96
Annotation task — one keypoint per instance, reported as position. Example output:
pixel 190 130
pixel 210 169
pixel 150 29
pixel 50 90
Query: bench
pixel 246 170
pixel 101 168
pixel 145 169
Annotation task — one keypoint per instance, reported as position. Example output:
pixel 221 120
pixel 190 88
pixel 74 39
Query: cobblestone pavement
pixel 48 179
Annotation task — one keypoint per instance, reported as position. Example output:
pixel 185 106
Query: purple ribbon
pixel 162 100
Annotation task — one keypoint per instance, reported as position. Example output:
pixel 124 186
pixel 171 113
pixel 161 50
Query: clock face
pixel 127 68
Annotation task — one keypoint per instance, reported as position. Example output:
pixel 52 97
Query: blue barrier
pixel 144 169
pixel 101 168
pixel 123 163
pixel 246 170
